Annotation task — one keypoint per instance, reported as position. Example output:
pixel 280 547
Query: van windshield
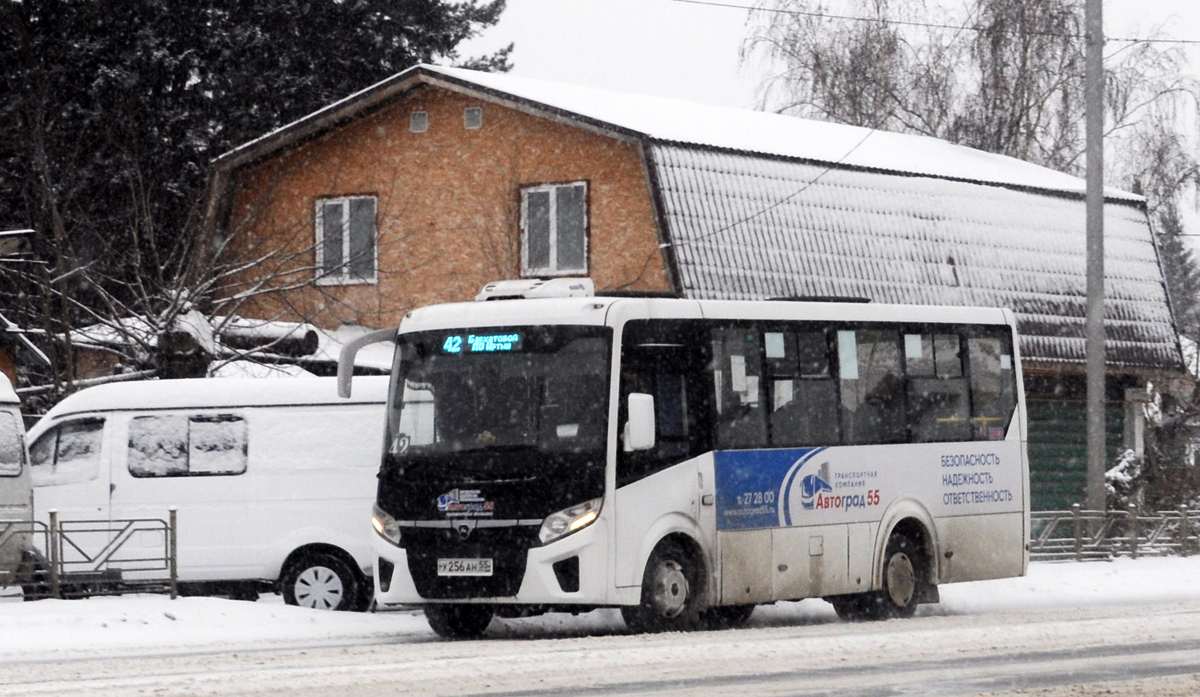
pixel 508 388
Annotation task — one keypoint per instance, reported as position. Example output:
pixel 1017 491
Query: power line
pixel 928 25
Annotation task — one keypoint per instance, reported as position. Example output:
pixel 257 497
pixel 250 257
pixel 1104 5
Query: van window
pixel 177 445
pixel 12 452
pixel 67 454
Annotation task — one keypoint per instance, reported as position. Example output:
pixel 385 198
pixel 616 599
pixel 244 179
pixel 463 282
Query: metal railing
pixel 96 557
pixel 1083 535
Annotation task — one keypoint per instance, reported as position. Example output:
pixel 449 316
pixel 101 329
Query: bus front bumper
pixel 540 585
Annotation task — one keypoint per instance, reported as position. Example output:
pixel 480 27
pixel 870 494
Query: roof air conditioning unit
pixel 538 288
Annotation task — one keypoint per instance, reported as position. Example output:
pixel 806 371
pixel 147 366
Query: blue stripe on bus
pixel 753 487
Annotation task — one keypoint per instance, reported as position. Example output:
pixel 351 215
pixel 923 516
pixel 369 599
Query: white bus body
pixel 856 452
pixel 271 479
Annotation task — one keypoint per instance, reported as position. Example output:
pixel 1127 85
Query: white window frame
pixel 325 276
pixel 552 269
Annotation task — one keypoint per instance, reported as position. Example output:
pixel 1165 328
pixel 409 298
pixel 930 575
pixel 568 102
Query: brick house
pixel 427 185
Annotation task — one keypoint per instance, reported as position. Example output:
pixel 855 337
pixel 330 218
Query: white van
pixel 272 479
pixel 16 495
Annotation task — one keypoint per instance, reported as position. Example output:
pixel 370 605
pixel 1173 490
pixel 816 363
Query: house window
pixel 554 230
pixel 418 122
pixel 473 117
pixel 346 240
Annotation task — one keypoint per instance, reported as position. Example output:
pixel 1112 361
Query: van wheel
pixel 459 621
pixel 321 581
pixel 670 592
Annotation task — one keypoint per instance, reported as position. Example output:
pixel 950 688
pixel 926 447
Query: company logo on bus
pixel 812 486
pixel 816 492
pixel 465 503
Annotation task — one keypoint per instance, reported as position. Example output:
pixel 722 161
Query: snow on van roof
pixel 216 392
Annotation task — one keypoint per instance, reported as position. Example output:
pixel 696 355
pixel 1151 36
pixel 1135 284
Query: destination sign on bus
pixel 482 343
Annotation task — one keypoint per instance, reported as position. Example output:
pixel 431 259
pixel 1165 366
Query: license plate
pixel 464 567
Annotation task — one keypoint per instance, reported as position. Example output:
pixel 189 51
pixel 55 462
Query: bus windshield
pixel 539 388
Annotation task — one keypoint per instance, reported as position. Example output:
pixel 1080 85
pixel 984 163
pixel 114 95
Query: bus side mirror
pixel 346 358
pixel 639 429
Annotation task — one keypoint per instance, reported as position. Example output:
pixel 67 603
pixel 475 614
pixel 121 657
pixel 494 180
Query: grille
pixel 506 547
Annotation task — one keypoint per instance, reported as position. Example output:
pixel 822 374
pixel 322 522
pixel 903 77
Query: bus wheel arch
pixel 910 518
pixel 674 588
pixel 330 571
pixel 909 558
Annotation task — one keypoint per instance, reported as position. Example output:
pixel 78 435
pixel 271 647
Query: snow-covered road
pixel 1129 627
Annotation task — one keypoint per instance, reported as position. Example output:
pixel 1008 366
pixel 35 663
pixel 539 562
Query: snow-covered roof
pixel 757 205
pixel 678 121
pixel 208 393
pixel 744 227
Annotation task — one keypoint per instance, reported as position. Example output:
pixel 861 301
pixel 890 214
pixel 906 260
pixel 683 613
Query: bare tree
pixel 1004 76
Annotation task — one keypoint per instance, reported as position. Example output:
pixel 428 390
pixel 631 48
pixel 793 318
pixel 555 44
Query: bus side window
pixel 993 386
pixel 672 444
pixel 737 383
pixel 803 395
pixel 938 408
pixel 872 387
pixel 663 359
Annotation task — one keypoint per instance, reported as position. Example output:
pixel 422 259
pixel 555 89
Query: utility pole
pixel 1094 99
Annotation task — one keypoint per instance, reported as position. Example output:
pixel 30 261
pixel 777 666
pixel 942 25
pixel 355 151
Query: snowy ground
pixel 148 625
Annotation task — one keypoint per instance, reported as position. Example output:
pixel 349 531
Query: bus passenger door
pixel 661 481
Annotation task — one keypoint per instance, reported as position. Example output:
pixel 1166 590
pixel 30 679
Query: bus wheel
pixel 321 581
pixel 727 616
pixel 903 577
pixel 670 592
pixel 459 621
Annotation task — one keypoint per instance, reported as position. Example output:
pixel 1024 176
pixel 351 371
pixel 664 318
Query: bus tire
pixel 321 581
pixel 459 621
pixel 904 576
pixel 727 616
pixel 671 592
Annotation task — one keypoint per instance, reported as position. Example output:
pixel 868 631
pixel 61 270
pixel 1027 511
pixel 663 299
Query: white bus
pixel 685 460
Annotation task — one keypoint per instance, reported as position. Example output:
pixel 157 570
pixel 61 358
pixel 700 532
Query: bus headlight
pixel 385 525
pixel 569 520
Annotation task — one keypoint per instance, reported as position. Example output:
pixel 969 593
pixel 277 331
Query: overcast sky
pixel 690 51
